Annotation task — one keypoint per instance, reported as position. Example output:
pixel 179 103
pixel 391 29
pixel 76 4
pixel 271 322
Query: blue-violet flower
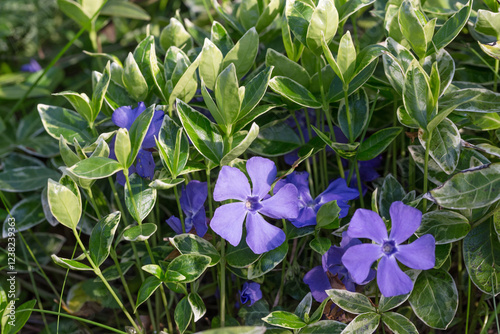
pixel 32 66
pixel 250 292
pixel 228 219
pixel 391 280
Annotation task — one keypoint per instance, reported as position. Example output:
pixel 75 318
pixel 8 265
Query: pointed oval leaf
pixel 365 323
pixel 95 168
pixel 102 236
pixel 352 302
pixel 243 54
pixel 294 91
pixel 285 320
pixel 398 323
pixel 139 232
pixel 445 226
pixel 193 244
pixel 147 288
pixel 189 265
pixel 142 195
pixel 63 122
pixel 64 204
pixel 324 22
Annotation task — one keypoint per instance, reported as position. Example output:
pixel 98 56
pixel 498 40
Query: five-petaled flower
pixel 250 292
pixel 124 117
pixel 317 278
pixel 192 202
pixel 32 66
pixel 308 207
pixel 391 280
pixel 228 219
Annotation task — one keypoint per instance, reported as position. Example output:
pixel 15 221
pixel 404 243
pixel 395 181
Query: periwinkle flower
pixel 32 66
pixel 251 203
pixel 250 292
pixel 317 277
pixel 308 207
pixel 192 201
pixel 124 117
pixel 420 254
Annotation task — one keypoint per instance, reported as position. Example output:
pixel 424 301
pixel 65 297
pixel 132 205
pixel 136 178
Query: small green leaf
pixel 324 326
pixel 139 232
pixel 95 168
pixel 254 92
pixel 320 245
pixel 59 121
pixel 193 244
pixel 134 81
pixel 412 28
pixel 191 266
pixel 102 236
pixel 227 95
pixel 138 132
pixel 122 147
pixel 285 67
pixel 243 54
pixel 154 270
pixel 70 264
pixel 100 91
pixel 365 323
pixel 64 204
pixel 352 302
pixel 417 95
pixel 21 317
pixel 242 146
pixel 294 91
pixel 346 58
pixel 174 34
pixel 324 22
pixel 358 112
pixel 210 61
pixel 183 314
pixel 147 288
pixel 23 179
pixel 327 216
pixel 268 261
pixel 398 323
pixel 140 198
pixel 284 319
pixel 198 307
pixel 451 28
pixel 80 102
pixel 377 143
pixel 388 303
pixel 165 183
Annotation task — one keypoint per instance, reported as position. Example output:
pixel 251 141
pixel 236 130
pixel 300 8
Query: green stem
pixel 468 308
pixel 129 188
pixel 495 83
pixel 426 168
pixel 207 8
pixel 98 272
pixel 360 189
pixel 181 216
pixel 348 112
pixel 223 283
pixel 394 143
pixel 94 204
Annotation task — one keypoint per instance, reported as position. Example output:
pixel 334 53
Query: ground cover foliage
pixel 277 166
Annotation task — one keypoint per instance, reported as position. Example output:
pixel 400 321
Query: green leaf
pixel 476 100
pixel 64 204
pixel 320 245
pixel 275 139
pixel 95 168
pixel 134 81
pixel 391 191
pixel 284 319
pixel 80 103
pixel 75 11
pixel 130 10
pixel 191 266
pixel 351 302
pixel 122 147
pixel 294 91
pixel 254 91
pixel 242 146
pixel 183 314
pixel 202 132
pixel 138 132
pixel 22 179
pixel 174 34
pixel 227 95
pixel 63 122
pixel 396 62
pixel 298 15
pixel 346 58
pixel 365 323
pixel 273 8
pixel 324 326
pixel 185 88
pixel 285 67
pixel 99 92
pixel 70 264
pixel 350 7
pixel 268 261
pixel 173 146
pixel 388 303
pixel 412 28
pixel 445 226
pixel 147 288
pixel 359 112
pixel 21 317
pixel 144 198
pixel 102 237
pixel 302 310
pixel 444 146
pixel 328 216
pixel 27 213
pixel 451 28
pixel 240 256
pixel 488 23
pixel 236 330
pixel 324 22
pixel 154 270
pixel 417 95
pixel 243 54
pixel 481 249
pixel 377 143
pixel 435 298
pixel 165 183
pixel 469 189
pixel 248 13
pixel 112 273
pixel 398 323
pixel 193 244
pixel 210 61
pixel 221 38
pixel 139 232
pixel 198 307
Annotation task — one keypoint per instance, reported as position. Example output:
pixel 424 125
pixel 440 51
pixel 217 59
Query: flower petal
pixel 123 117
pixel 405 221
pixel 251 291
pixel 262 236
pixel 367 224
pixel 420 254
pixel 337 190
pixel 300 181
pixel 145 165
pixel 193 196
pixel 391 280
pixel 231 184
pixel 175 224
pixel 262 172
pixel 228 222
pixel 318 282
pixel 307 217
pixel 153 130
pixel 283 205
pixel 359 259
pixel 200 222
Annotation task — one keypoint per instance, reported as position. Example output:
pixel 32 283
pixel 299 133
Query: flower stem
pixel 132 199
pixel 360 189
pixel 222 283
pixel 469 292
pixel 426 168
pixel 181 216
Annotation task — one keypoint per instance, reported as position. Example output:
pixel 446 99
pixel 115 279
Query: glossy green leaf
pixel 102 237
pixel 391 191
pixel 138 132
pixel 99 92
pixel 197 306
pixel 27 213
pixel 398 323
pixel 268 261
pixel 481 249
pixel 240 256
pixel 95 168
pixel 122 147
pixel 254 91
pixel 202 132
pixel 59 121
pixel 165 183
pixel 294 91
pixel 351 302
pixel 147 288
pixel 377 143
pixel 324 326
pixel 64 204
pixel 24 179
pixel 396 63
pixel 320 245
pixel 210 61
pixel 70 264
pixel 243 54
pixel 75 11
pixel 388 303
pixel 185 88
pixel 134 81
pixel 220 37
pixel 488 23
pixel 80 102
pixel 349 8
pixel 324 22
pixel 302 310
pixel 434 298
pixel 130 10
pixel 139 232
pixel 183 314
pixel 444 146
pixel 445 226
pixel 417 95
pixel 173 146
pixel 358 112
pixel 273 8
pixel 274 140
pixel 346 58
pixel 242 146
pixel 327 216
pixel 227 95
pixel 193 244
pixel 298 15
pixel 412 28
pixel 365 323
pixel 140 198
pixel 191 266
pixel 285 320
pixel 451 28
pixel 285 67
pixel 469 189
pixel 21 316
pixel 154 270
pixel 174 34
